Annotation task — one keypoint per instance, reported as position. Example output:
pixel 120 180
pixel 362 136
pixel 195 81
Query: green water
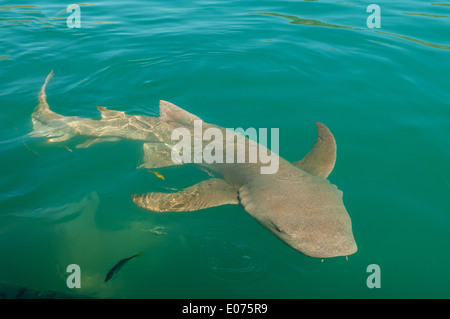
pixel 384 93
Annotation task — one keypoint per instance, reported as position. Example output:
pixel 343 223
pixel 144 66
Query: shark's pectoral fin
pixel 210 193
pixel 91 141
pixel 320 160
pixel 62 138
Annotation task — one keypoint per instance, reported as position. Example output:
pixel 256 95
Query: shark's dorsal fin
pixel 320 160
pixel 109 114
pixel 170 113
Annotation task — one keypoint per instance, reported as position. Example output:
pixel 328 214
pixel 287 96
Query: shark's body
pixel 297 203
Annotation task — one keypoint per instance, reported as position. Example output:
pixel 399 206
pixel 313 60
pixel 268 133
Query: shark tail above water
pixel 43 105
pixel 42 115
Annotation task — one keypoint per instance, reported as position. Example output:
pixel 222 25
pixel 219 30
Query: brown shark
pixel 297 203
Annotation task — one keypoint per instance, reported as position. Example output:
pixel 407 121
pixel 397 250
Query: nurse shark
pixel 297 203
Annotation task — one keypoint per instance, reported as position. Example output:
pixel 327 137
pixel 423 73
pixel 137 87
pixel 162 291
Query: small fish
pixel 157 231
pixel 36 154
pixel 157 174
pixel 66 148
pixel 207 171
pixel 118 266
pixel 448 184
pixel 171 188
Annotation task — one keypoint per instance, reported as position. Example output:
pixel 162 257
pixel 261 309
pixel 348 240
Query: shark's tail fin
pixel 48 123
pixel 43 105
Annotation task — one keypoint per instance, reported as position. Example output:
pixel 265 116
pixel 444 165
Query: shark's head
pixel 307 213
pixel 312 218
pixel 316 222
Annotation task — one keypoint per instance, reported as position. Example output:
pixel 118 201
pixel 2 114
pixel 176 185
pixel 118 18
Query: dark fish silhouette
pixel 118 266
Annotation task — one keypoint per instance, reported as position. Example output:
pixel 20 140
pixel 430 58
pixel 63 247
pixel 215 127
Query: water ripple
pixel 226 255
pixel 300 21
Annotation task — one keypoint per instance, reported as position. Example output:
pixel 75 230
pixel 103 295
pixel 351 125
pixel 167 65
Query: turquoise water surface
pixel 383 92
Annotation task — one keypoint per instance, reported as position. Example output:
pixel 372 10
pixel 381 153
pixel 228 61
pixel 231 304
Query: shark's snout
pixel 138 199
pixel 326 242
pixel 312 219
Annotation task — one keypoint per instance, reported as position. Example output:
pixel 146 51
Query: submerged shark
pixel 297 203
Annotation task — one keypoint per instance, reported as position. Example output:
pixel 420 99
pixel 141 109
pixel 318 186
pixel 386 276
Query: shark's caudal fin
pixel 41 111
pixel 43 106
pixel 210 193
pixel 322 157
pixel 47 123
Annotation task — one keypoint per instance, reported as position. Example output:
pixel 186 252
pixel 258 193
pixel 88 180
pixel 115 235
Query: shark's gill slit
pixel 276 227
